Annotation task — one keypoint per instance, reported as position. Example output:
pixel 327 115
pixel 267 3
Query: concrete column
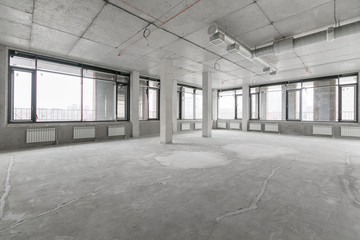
pixel 246 108
pixel 207 104
pixel 174 106
pixel 166 101
pixel 134 103
pixel 215 106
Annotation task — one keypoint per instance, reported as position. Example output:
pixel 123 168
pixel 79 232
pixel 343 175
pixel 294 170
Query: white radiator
pixel 40 135
pixel 234 125
pixel 221 125
pixel 185 126
pixel 116 131
pixel 322 130
pixel 84 132
pixel 198 125
pixel 271 127
pixel 255 126
pixel 348 131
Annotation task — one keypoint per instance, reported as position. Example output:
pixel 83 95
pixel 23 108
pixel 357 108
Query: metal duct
pixel 287 45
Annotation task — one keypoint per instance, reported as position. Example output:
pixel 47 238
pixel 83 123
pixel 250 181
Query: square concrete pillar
pixel 166 101
pixel 134 103
pixel 358 92
pixel 246 108
pixel 207 103
pixel 175 106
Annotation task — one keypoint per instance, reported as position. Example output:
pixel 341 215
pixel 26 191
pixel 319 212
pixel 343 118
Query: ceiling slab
pixel 15 15
pixel 280 9
pixel 243 21
pixel 67 15
pixel 200 15
pixel 113 27
pixel 142 46
pixel 14 29
pixel 312 19
pixel 260 36
pixel 189 50
pixel 89 51
pixel 22 5
pixel 347 9
pixel 51 41
pixel 160 54
pixel 14 41
pixel 225 65
pixel 188 64
pixel 241 73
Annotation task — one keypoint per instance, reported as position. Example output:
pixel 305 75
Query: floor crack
pixel 7 188
pixel 254 202
pixel 52 211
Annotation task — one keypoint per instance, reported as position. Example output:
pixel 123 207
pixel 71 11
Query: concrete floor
pixel 233 186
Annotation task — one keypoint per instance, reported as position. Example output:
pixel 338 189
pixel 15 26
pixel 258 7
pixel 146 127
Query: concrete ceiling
pixel 96 31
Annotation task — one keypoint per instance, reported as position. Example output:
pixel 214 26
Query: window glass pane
pixel 154 84
pixel 198 104
pixel 88 73
pixel 254 106
pixel 293 109
pixel 188 103
pixel 122 102
pixel 22 96
pixel 271 103
pixel 226 108
pixel 348 106
pixel 320 103
pixel 143 102
pixel 153 103
pixel 58 67
pixel 98 100
pixel 348 80
pixel 122 79
pixel 58 97
pixel 22 62
pixel 239 106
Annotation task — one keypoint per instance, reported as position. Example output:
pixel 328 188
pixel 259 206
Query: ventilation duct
pixel 328 35
pixel 234 47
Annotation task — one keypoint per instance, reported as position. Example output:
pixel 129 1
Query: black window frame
pixel 148 79
pixel 258 105
pixel 36 57
pixel 356 99
pixel 181 105
pixel 235 101
pixel 300 104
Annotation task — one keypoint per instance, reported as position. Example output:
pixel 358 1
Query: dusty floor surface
pixel 233 186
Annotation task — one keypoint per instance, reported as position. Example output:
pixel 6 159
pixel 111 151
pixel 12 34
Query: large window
pixel 254 103
pixel 327 99
pixel 48 90
pixel 189 102
pixel 230 104
pixel 149 91
pixel 271 103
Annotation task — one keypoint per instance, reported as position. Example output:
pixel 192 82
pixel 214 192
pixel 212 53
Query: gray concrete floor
pixel 233 186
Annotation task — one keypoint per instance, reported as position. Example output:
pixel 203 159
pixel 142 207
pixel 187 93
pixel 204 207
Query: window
pixel 198 104
pixel 293 104
pixel 271 102
pixel 226 105
pixel 49 90
pixel 239 107
pixel 254 103
pixel 21 92
pixel 320 100
pixel 348 98
pixel 189 102
pixel 148 99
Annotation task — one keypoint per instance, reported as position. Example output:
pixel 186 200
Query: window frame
pixel 235 101
pixel 181 105
pixel 147 79
pixel 236 104
pixel 13 53
pixel 258 105
pixel 300 104
pixel 356 99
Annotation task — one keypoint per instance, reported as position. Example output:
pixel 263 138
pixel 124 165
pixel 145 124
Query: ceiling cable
pixel 145 34
pixel 217 64
pixel 336 22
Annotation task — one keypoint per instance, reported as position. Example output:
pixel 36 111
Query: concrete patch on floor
pixel 253 151
pixel 187 160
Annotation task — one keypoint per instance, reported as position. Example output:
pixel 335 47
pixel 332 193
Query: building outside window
pixel 190 102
